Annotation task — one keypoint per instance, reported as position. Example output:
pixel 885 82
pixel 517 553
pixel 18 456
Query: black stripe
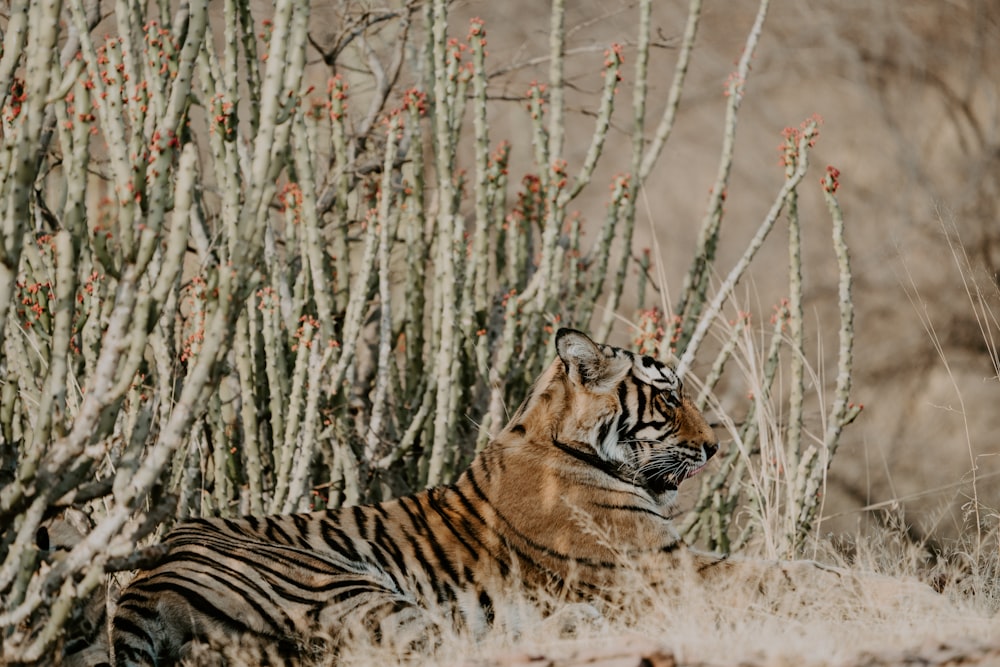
pixel 126 626
pixel 380 557
pixel 381 538
pixel 166 581
pixel 447 521
pixel 470 509
pixel 472 512
pixel 423 562
pixel 630 508
pixel 387 544
pixel 360 522
pixel 138 605
pixel 478 491
pixel 275 531
pixel 592 459
pixel 640 403
pixel 254 554
pixel 356 586
pixel 487 466
pixel 603 430
pixel 638 492
pixel 302 522
pixel 439 552
pixel 235 578
pixel 204 606
pixel 338 540
pixel 487 606
pixel 623 400
pixel 418 519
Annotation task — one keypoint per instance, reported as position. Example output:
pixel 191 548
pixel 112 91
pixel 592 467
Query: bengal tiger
pixel 604 434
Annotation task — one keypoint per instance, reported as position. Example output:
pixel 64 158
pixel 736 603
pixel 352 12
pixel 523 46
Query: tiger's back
pixel 285 579
pixel 605 436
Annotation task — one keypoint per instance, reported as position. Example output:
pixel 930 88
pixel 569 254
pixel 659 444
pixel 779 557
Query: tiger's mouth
pixel 660 484
pixel 695 471
pixel 670 480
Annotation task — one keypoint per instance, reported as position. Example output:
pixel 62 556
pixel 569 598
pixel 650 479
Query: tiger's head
pixel 621 412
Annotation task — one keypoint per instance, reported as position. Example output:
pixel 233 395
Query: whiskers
pixel 659 466
pixel 666 469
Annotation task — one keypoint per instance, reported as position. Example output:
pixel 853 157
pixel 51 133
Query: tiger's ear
pixel 585 361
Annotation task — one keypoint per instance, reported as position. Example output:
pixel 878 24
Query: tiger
pixel 604 434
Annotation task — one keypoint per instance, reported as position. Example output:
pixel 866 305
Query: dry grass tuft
pixel 877 607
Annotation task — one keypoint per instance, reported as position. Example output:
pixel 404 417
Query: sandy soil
pixel 630 652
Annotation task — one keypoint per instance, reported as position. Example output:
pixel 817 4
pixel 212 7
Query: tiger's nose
pixel 710 450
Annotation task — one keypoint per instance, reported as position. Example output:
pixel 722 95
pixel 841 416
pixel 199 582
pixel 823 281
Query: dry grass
pixel 886 621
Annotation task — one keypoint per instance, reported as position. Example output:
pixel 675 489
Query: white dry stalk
pixel 666 125
pixel 312 241
pixel 546 277
pixel 795 316
pixel 14 37
pixel 841 412
pixel 474 294
pixel 704 255
pixel 725 289
pixel 297 499
pixel 288 450
pixel 602 125
pixel 449 250
pixel 628 202
pixel 248 412
pixel 386 213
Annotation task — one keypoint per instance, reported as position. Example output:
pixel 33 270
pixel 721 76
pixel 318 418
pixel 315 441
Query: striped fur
pixel 604 434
